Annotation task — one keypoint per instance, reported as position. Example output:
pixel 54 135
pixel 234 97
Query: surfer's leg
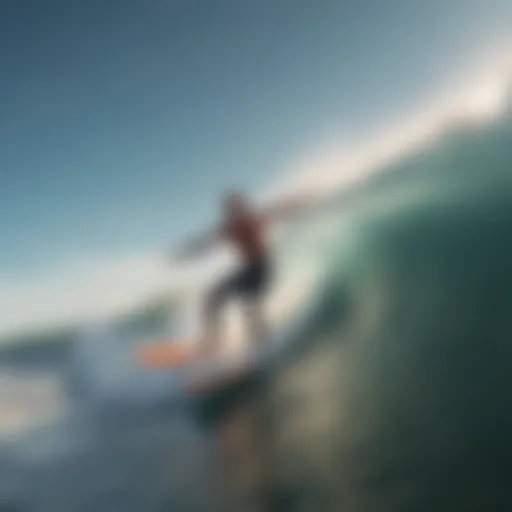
pixel 255 319
pixel 210 338
pixel 214 303
pixel 253 288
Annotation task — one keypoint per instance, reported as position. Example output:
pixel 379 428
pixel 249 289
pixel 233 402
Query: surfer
pixel 247 230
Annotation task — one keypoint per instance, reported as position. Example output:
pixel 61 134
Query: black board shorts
pixel 250 282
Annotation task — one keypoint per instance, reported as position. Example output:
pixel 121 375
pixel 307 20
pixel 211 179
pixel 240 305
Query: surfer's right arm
pixel 199 245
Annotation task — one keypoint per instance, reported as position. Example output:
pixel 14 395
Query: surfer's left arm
pixel 199 245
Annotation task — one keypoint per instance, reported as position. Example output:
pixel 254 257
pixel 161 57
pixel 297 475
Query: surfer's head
pixel 236 204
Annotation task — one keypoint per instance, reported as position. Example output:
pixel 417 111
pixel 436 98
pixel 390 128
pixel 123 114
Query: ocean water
pixel 393 393
pixel 398 395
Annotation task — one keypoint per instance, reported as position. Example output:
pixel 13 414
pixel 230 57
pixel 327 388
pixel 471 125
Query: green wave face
pixel 398 398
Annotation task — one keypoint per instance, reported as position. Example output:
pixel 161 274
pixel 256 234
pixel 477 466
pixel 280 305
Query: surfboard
pixel 214 385
pixel 165 354
pixel 199 374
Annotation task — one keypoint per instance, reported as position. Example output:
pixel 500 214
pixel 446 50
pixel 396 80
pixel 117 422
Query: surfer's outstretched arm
pixel 198 245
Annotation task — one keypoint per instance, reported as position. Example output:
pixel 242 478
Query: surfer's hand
pixel 196 247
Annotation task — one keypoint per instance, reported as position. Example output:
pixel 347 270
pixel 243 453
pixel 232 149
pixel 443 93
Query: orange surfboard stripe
pixel 164 355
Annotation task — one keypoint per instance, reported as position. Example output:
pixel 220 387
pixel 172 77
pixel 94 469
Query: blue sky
pixel 121 121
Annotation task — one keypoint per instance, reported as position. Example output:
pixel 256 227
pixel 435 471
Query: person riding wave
pixel 245 228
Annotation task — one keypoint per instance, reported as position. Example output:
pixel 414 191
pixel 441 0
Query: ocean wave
pixel 317 257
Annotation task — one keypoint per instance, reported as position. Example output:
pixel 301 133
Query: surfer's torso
pixel 247 234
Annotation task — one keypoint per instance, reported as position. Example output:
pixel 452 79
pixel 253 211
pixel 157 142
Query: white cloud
pixel 89 289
